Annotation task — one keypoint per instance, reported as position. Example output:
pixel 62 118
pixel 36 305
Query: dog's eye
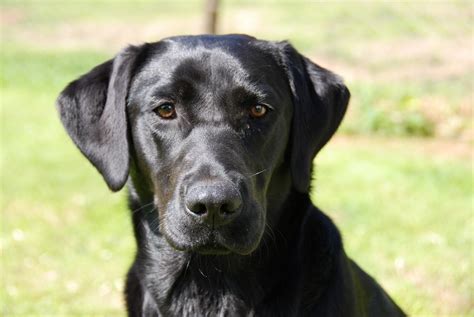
pixel 166 111
pixel 258 111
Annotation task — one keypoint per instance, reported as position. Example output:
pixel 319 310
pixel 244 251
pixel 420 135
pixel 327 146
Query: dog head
pixel 219 129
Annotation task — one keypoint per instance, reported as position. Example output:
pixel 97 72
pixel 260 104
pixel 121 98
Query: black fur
pixel 219 198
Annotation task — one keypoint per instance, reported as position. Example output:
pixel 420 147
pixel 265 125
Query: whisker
pixel 155 223
pixel 186 120
pixel 283 237
pixel 270 232
pixel 187 265
pixel 266 250
pixel 259 172
pixel 141 207
pixel 199 269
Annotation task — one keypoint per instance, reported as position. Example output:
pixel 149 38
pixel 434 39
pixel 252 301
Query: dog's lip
pixel 212 249
pixel 208 246
pixel 212 246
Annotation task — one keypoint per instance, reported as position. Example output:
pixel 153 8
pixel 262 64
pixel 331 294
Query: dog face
pixel 210 125
pixel 219 130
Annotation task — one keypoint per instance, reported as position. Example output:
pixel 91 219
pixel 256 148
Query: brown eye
pixel 166 111
pixel 258 111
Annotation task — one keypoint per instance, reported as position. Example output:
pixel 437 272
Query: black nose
pixel 216 203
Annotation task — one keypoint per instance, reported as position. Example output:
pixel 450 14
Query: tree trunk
pixel 211 16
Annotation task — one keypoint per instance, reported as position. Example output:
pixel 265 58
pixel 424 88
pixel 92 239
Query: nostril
pixel 226 209
pixel 198 208
pixel 229 208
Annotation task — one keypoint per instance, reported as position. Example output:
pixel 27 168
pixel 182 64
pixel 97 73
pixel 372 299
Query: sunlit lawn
pixel 405 209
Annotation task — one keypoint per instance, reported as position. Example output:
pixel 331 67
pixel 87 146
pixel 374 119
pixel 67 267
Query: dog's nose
pixel 214 203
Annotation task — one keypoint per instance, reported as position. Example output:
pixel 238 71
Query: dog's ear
pixel 320 100
pixel 93 111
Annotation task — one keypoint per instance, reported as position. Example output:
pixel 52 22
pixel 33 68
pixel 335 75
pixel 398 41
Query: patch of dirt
pixel 430 148
pixel 449 299
pixel 414 59
pixel 11 16
pixel 109 36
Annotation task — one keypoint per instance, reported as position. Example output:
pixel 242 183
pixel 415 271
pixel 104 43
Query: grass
pixel 404 206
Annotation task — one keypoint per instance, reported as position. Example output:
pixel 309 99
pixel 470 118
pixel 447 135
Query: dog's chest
pixel 201 297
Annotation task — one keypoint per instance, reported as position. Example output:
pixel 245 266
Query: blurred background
pixel 397 179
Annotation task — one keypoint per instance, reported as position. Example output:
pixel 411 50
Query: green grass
pixel 406 213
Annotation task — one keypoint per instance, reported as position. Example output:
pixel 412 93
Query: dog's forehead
pixel 219 60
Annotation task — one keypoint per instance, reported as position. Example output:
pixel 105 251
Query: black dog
pixel 215 137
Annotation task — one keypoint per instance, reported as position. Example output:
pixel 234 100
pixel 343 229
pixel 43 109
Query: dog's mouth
pixel 213 244
pixel 207 243
pixel 212 249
